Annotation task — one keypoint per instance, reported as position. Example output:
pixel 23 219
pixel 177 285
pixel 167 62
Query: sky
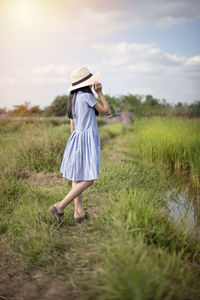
pixel 139 46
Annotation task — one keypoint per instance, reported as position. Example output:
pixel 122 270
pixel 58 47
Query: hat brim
pixel 87 82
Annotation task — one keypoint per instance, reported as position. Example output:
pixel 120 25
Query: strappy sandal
pixel 56 214
pixel 81 219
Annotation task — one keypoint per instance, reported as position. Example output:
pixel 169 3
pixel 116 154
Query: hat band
pixel 82 80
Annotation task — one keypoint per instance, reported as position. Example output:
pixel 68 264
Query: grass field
pixel 130 248
pixel 175 142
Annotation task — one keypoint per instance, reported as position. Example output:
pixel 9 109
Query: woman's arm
pixel 104 108
pixel 71 125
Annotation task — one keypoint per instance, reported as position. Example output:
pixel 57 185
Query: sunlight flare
pixel 22 12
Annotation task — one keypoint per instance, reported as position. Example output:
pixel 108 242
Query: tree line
pixel 139 105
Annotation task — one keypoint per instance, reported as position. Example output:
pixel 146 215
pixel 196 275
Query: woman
pixel 81 158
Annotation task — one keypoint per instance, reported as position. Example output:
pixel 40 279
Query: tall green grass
pixel 175 142
pixel 131 250
pixel 147 255
pixel 40 147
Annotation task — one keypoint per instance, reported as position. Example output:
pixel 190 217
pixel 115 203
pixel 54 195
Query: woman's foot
pixel 57 206
pixel 56 214
pixel 79 213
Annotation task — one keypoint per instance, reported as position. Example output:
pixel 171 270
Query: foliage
pixel 3 110
pixel 183 109
pixel 58 107
pixel 140 105
pixel 132 103
pixel 114 103
pixel 25 110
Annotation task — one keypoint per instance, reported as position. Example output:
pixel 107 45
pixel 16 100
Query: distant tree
pixel 114 103
pixel 132 103
pixel 165 103
pixel 140 105
pixel 156 107
pixel 35 110
pixel 150 101
pixel 25 110
pixel 58 107
pixel 3 111
pixel 179 104
pixel 194 109
pixel 165 108
pixel 21 110
pixel 181 109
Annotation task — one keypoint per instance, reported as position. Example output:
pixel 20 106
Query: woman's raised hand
pixel 97 87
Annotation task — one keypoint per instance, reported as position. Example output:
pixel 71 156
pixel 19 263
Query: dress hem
pixel 72 179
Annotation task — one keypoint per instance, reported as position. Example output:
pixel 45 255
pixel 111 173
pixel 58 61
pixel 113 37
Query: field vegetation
pixel 174 142
pixel 131 247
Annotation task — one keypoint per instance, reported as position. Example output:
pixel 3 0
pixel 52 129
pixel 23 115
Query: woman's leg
pixel 73 193
pixel 78 209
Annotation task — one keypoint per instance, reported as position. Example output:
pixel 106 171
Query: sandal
pixel 56 214
pixel 81 219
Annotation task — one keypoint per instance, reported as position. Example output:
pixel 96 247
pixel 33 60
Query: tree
pixel 150 101
pixel 3 111
pixel 21 110
pixel 114 103
pixel 152 106
pixel 35 110
pixel 194 109
pixel 58 107
pixel 180 109
pixel 132 103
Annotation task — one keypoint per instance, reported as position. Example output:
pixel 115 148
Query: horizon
pixel 143 99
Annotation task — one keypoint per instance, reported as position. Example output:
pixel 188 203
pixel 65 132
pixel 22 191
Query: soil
pixel 17 284
pixel 44 178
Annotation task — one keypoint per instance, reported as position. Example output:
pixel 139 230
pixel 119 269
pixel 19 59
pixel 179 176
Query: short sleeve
pixel 90 99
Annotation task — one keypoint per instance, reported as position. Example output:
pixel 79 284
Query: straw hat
pixel 81 77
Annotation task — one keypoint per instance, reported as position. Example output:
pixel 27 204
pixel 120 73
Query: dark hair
pixel 72 99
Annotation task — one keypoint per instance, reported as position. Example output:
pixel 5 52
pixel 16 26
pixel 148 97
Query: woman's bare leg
pixel 78 209
pixel 73 193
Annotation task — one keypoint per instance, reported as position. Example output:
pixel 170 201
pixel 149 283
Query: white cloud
pixel 79 20
pixel 51 70
pixel 130 55
pixel 138 67
pixel 102 18
pixel 125 67
pixel 50 74
pixel 145 58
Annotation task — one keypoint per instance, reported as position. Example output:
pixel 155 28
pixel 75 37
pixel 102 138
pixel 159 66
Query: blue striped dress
pixel 81 158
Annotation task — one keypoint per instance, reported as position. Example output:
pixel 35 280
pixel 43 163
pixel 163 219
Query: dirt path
pixel 16 284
